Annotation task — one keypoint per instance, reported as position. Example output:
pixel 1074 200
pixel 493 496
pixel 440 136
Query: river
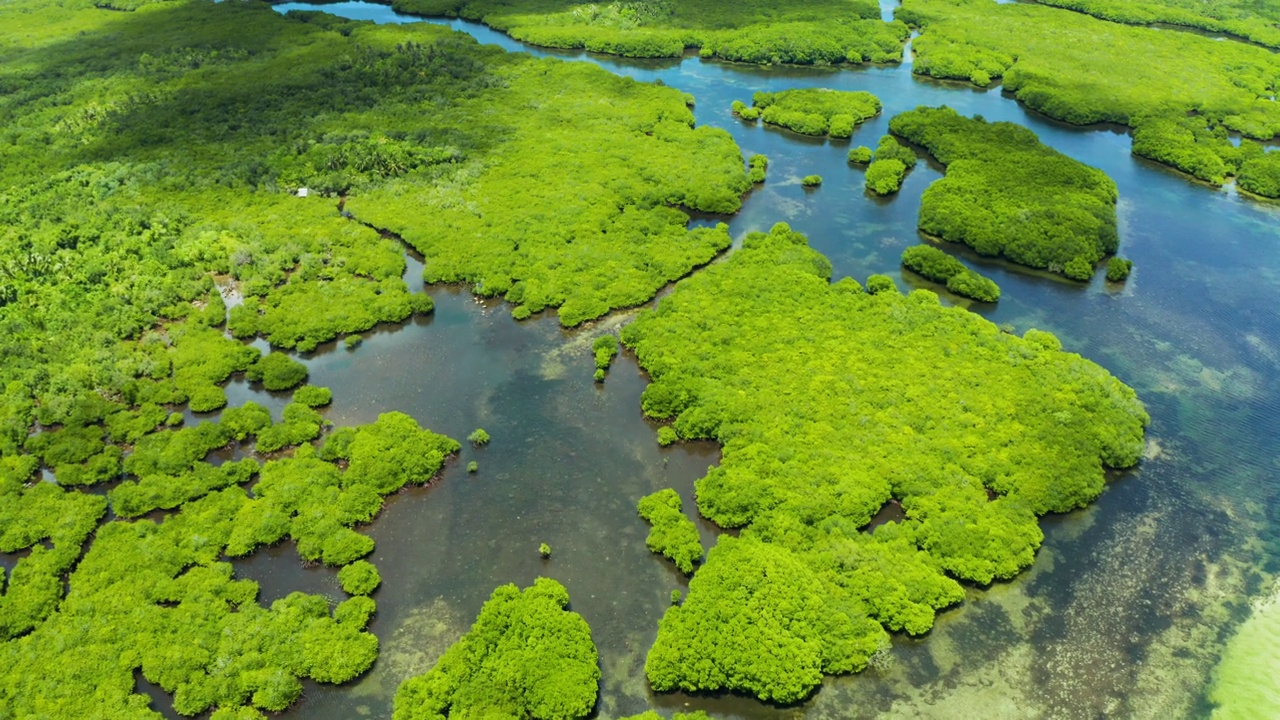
pixel 1130 600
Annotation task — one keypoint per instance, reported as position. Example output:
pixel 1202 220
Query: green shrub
pixel 877 284
pixel 811 180
pixel 359 578
pixel 478 437
pixel 667 435
pixel 884 177
pixel 938 266
pixel 1261 175
pixel 672 533
pixel 1118 269
pixel 473 466
pixel 542 652
pixel 277 371
pixel 970 284
pixel 544 550
pixel 860 155
pixel 605 349
pixel 1078 268
pixel 817 111
pixel 313 396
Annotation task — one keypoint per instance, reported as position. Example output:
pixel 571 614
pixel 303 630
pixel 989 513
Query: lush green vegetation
pixel 938 266
pixel 757 166
pixel 1260 175
pixel 359 578
pixel 813 111
pixel 976 431
pixel 1083 70
pixel 277 371
pixel 888 165
pixel 1007 194
pixel 1118 269
pixel 804 32
pixel 1194 145
pixel 569 210
pixel 148 162
pixel 145 167
pixel 313 396
pixel 605 349
pixel 860 155
pixel 478 437
pixel 672 533
pixel 811 180
pixel 1254 20
pixel 158 598
pixel 527 656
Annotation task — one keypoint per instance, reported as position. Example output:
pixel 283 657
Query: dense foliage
pixel 1260 175
pixel 1118 269
pixel 938 266
pixel 604 349
pixel 888 165
pixel 359 578
pixel 1083 70
pixel 574 209
pixel 157 597
pixel 814 111
pixel 277 371
pixel 1254 20
pixel 1007 194
pixel 860 155
pixel 527 656
pixel 672 533
pixel 802 32
pixel 830 401
pixel 149 158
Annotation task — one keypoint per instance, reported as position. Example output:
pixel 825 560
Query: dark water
pixel 1127 608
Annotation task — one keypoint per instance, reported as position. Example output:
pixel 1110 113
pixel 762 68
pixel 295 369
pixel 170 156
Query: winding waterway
pixel 1129 602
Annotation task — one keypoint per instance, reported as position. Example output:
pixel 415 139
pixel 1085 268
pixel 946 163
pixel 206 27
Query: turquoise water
pixel 1127 607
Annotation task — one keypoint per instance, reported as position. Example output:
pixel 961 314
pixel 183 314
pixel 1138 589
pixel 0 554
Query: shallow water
pixel 1126 609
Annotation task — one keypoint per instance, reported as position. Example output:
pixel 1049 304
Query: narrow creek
pixel 1126 598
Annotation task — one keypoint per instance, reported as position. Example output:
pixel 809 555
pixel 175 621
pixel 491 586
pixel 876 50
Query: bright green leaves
pixel 757 620
pixel 277 371
pixel 817 111
pixel 203 358
pixel 889 165
pixel 806 32
pixel 359 578
pixel 394 451
pixel 972 536
pixel 29 516
pixel 673 534
pixel 155 597
pixel 1007 194
pixel 830 402
pixel 526 656
pixel 1261 175
pixel 575 208
pixel 938 266
pixel 1082 70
